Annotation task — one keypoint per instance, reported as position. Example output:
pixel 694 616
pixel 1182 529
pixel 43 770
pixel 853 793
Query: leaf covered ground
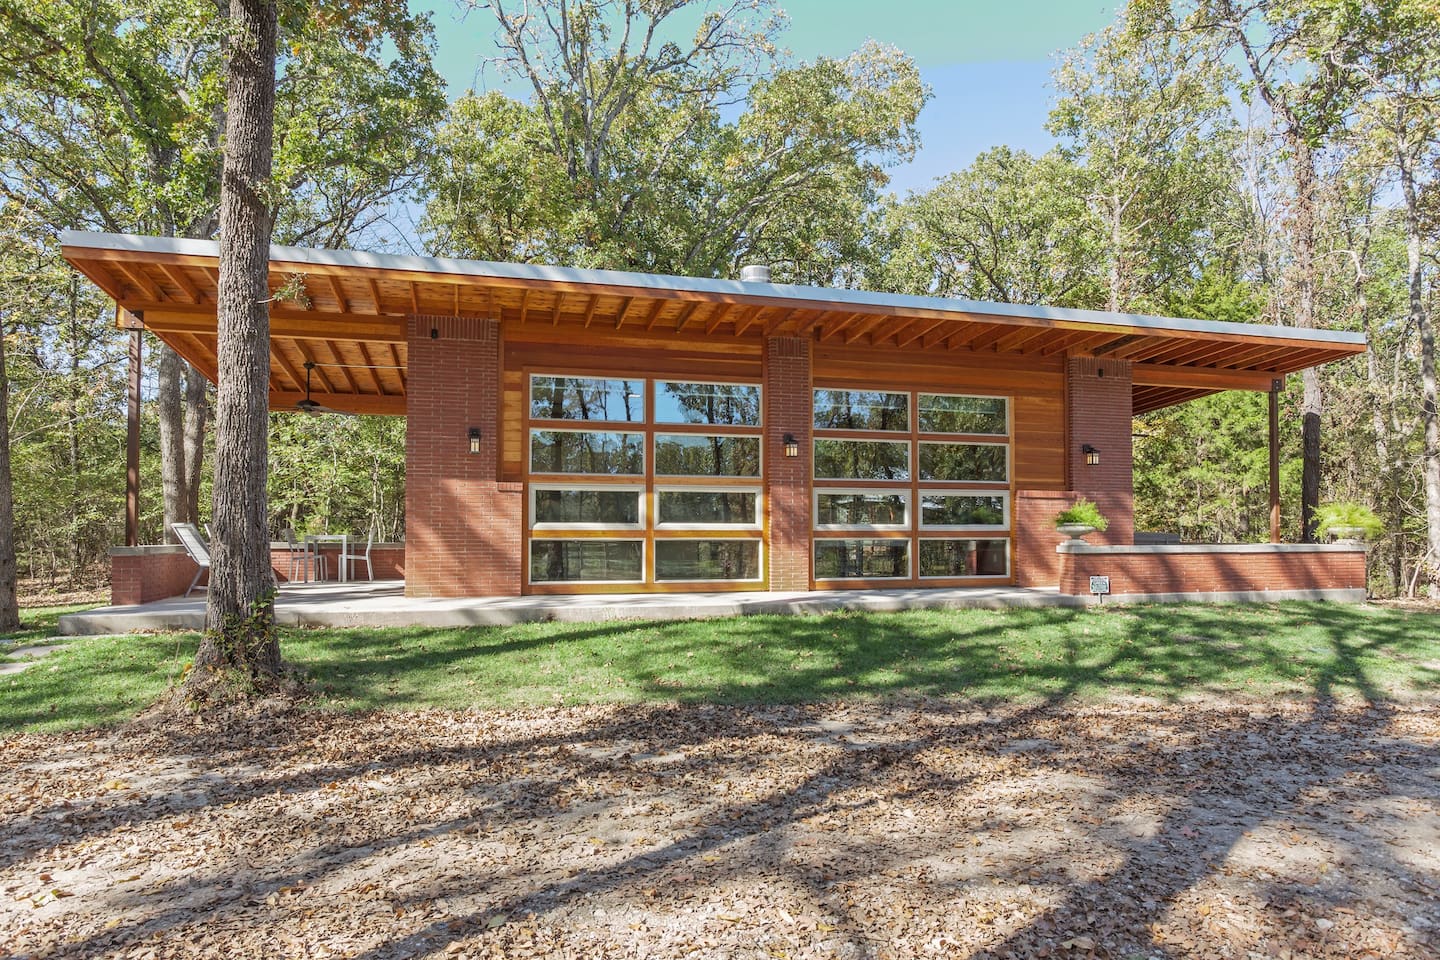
pixel 880 828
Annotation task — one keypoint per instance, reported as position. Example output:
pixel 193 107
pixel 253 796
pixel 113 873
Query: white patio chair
pixel 362 557
pixel 194 545
pixel 300 559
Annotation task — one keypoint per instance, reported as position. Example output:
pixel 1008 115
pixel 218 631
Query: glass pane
pixel 860 509
pixel 963 558
pixel 705 506
pixel 587 506
pixel 942 414
pixel 862 460
pixel 699 455
pixel 562 560
pixel 733 404
pixel 947 511
pixel 861 410
pixel 587 398
pixel 962 461
pixel 861 559
pixel 707 559
pixel 563 451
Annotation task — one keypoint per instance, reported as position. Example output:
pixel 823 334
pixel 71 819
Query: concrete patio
pixel 383 604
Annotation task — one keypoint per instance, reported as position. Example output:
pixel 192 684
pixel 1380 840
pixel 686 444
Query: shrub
pixel 1084 512
pixel 1348 513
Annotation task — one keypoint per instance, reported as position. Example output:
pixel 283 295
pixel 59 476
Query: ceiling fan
pixel 309 404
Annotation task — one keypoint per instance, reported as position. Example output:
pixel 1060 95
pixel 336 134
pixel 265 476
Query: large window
pixel 937 485
pixel 659 484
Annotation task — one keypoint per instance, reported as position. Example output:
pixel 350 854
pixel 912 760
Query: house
pixel 573 431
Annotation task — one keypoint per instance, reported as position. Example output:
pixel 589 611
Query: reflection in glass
pixel 963 558
pixel 731 404
pixel 700 455
pixel 860 509
pixel 564 451
pixel 706 506
pixel 587 506
pixel 862 460
pixel 861 559
pixel 962 461
pixel 938 510
pixel 944 414
pixel 707 559
pixel 861 410
pixel 589 560
pixel 587 398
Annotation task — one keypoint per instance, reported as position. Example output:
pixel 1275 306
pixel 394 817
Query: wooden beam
pixel 1019 338
pixel 1207 378
pixel 375 295
pixel 132 443
pixel 364 403
pixel 338 362
pixel 717 318
pixel 745 322
pixel 177 276
pixel 1274 462
pixel 136 274
pixel 369 368
pixel 590 308
pixel 838 327
pixel 918 333
pixel 654 316
pixel 334 281
pixel 524 305
pixel 686 312
pixel 291 371
pixel 289 324
pixel 555 310
pixel 624 309
pixel 864 327
pixel 318 371
pixel 414 297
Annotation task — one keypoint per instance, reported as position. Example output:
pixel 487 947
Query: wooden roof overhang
pixel 348 318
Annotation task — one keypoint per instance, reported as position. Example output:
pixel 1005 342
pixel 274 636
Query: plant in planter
pixel 1348 520
pixel 1080 518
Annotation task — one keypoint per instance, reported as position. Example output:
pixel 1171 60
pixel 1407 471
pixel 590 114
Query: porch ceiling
pixel 350 320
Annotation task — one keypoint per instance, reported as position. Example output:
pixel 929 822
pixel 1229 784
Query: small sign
pixel 1100 585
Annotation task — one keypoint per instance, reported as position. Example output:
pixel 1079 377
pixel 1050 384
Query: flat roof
pixel 345 311
pixel 667 283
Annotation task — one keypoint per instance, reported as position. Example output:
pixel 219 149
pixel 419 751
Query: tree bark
pixel 169 371
pixel 1419 316
pixel 239 618
pixel 1313 401
pixel 9 588
pixel 195 416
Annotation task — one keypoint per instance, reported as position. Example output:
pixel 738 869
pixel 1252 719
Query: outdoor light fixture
pixel 474 439
pixel 792 446
pixel 1092 456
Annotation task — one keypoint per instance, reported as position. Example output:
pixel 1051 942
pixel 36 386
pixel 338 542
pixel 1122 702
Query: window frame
pixel 657 423
pixel 902 492
pixel 759 560
pixel 751 433
pixel 530 418
pixel 1009 549
pixel 987 482
pixel 636 488
pixel 755 489
pixel 1004 496
pixel 1009 414
pixel 529 569
pixel 531 472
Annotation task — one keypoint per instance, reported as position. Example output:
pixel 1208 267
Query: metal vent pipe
pixel 755 273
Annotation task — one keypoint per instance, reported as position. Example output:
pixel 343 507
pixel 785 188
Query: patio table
pixel 313 541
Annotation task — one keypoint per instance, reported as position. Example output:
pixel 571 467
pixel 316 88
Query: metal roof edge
pixel 497 270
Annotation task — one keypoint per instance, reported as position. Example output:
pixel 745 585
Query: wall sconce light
pixel 1092 456
pixel 474 439
pixel 792 446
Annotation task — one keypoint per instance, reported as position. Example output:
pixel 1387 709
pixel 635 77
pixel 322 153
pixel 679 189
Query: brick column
pixel 788 409
pixel 1100 408
pixel 462 527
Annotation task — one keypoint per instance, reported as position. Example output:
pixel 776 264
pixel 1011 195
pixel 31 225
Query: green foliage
pixel 1339 518
pixel 333 473
pixel 1082 512
pixel 652 169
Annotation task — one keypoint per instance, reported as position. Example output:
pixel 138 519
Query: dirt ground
pixel 926 829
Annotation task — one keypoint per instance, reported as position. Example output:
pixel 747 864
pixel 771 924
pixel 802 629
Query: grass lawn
pixel 36 624
pixel 1291 649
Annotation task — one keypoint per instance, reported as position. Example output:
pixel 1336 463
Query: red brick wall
pixel 788 409
pixel 1099 411
pixel 152 574
pixel 1201 569
pixel 462 526
pixel 1033 516
pixel 388 559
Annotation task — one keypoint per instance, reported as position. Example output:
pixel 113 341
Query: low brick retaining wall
pixel 1184 571
pixel 156 571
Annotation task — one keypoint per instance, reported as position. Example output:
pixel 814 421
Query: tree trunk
pixel 239 617
pixel 9 595
pixel 1430 459
pixel 1312 404
pixel 195 416
pixel 169 370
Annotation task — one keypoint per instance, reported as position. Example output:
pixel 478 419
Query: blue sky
pixel 987 62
